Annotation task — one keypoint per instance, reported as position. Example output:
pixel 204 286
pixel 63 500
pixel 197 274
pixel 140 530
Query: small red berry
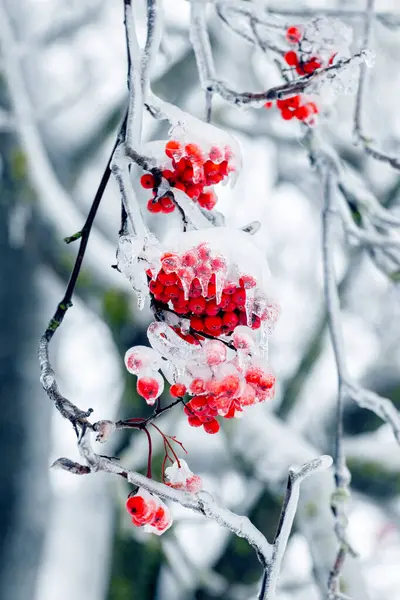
pixel 268 104
pixel 179 186
pixel 147 181
pixel 291 58
pixel 197 324
pixel 211 426
pixel 293 35
pixel 177 390
pixel 189 259
pixel 136 505
pixel 239 298
pixel 167 204
pixel 166 278
pixel 156 287
pixel 172 148
pixel 197 305
pixel 194 421
pixel 287 114
pixel 148 388
pixel 230 320
pixel 197 386
pixel 213 324
pixel 207 200
pixel 154 206
pixel 173 292
pixel 212 309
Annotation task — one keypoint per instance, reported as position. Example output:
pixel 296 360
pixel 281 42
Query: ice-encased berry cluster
pixel 149 511
pixel 319 44
pixel 212 286
pixel 220 380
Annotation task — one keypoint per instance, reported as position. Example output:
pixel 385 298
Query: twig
pixel 361 137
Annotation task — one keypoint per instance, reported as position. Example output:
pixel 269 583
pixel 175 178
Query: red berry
pixel 223 168
pixel 167 204
pixel 207 200
pixel 239 298
pixel 230 320
pixel 147 387
pixel 147 181
pixel 168 174
pixel 193 150
pixel 154 206
pixel 197 386
pixel 187 174
pixel 156 288
pixel 197 305
pixel 173 292
pixel 302 113
pixel 211 426
pixel 180 186
pixel 291 58
pixel 166 278
pixel 136 505
pixel 204 251
pixel 229 288
pixel 247 281
pixel 268 104
pixel 213 324
pixel 194 421
pixel 287 114
pixel 312 65
pixel 172 148
pixel 193 190
pixel 177 390
pixel 293 35
pixel 198 403
pixel 255 322
pixel 292 102
pixel 212 309
pixel 189 259
pixel 197 324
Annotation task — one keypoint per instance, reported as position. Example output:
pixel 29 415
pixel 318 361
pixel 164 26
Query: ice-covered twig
pixel 153 40
pixel 270 555
pixel 296 477
pixel 346 389
pixel 361 137
pixel 207 74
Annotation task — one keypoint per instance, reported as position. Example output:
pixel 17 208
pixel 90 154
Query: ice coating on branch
pixel 181 477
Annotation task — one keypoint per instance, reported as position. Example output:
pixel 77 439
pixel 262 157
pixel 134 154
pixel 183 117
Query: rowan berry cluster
pixel 296 107
pixel 192 171
pixel 304 62
pixel 223 386
pixel 149 511
pixel 196 286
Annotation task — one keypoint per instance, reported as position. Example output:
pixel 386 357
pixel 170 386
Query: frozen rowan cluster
pixel 319 44
pixel 190 168
pixel 149 511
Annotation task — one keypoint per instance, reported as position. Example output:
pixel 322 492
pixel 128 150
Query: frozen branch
pixel 361 137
